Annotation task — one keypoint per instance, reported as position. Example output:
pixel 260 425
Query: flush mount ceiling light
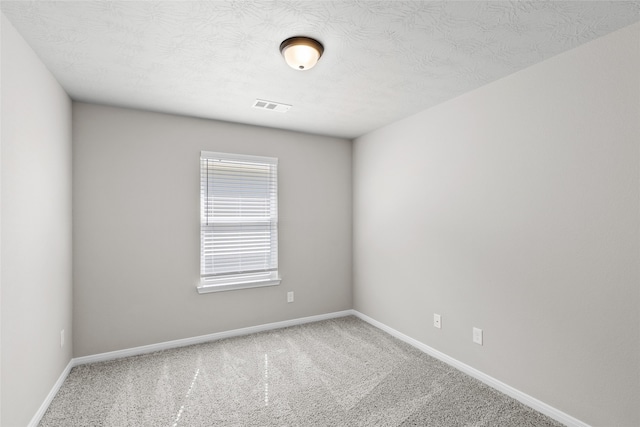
pixel 301 53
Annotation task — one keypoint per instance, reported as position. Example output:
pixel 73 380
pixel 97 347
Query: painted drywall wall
pixel 514 209
pixel 36 230
pixel 136 227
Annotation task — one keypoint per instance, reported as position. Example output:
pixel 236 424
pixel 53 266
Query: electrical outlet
pixel 290 296
pixel 437 321
pixel 477 336
pixel 62 338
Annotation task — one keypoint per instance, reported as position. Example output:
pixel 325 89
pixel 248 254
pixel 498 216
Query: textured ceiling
pixel 384 60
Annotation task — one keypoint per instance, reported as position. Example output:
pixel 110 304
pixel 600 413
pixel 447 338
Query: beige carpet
pixel 341 372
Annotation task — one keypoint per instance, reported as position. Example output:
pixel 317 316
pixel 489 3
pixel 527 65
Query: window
pixel 238 221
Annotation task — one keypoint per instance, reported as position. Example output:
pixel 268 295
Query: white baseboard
pixel 524 398
pixel 102 357
pixel 47 401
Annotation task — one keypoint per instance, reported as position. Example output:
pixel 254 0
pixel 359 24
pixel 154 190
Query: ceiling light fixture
pixel 301 53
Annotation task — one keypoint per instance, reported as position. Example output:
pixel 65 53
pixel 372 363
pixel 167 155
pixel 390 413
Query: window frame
pixel 238 280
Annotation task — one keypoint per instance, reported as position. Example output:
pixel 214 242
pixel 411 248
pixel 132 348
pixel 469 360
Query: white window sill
pixel 204 288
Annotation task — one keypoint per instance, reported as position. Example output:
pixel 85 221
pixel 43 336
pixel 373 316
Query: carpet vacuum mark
pixel 339 372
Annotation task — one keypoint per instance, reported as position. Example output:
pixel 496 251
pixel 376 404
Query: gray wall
pixel 35 256
pixel 514 208
pixel 136 228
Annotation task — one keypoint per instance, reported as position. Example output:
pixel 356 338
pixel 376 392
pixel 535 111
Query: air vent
pixel 261 104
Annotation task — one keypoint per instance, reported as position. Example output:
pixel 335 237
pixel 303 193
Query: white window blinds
pixel 239 219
